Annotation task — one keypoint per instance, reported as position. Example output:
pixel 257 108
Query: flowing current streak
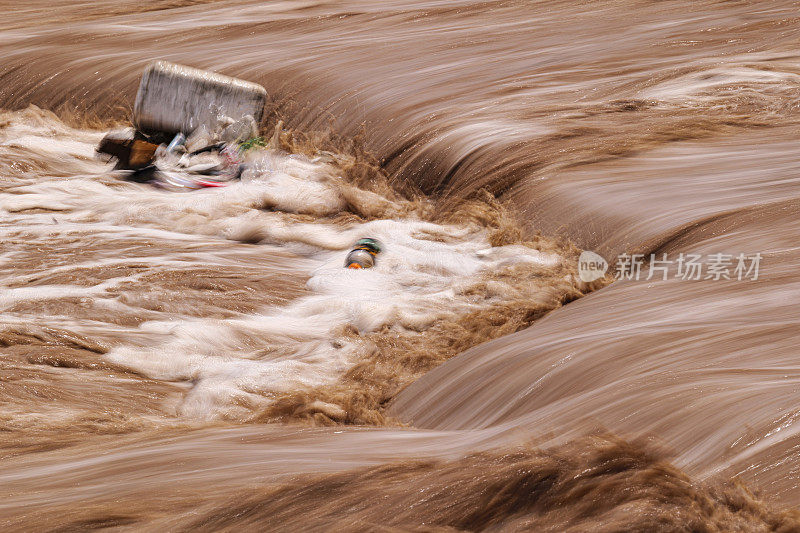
pixel 287 204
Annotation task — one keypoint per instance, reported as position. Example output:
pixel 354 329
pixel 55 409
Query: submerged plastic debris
pixel 363 254
pixel 192 128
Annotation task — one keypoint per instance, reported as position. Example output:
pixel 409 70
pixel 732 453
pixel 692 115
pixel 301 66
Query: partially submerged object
pixel 183 116
pixel 130 153
pixel 178 99
pixel 363 254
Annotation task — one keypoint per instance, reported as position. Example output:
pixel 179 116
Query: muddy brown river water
pixel 200 360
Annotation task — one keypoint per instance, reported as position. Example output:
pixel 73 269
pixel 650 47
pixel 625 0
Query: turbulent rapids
pixel 181 360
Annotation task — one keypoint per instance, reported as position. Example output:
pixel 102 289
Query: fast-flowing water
pixel 201 359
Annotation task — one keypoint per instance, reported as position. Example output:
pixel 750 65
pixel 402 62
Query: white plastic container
pixel 174 98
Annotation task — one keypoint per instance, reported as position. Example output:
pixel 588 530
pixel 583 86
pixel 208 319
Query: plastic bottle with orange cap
pixel 363 254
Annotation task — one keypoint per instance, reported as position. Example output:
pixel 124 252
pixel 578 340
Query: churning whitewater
pixel 291 206
pixel 176 359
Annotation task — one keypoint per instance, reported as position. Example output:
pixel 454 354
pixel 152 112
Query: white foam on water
pixel 238 364
pixel 708 79
pixel 243 361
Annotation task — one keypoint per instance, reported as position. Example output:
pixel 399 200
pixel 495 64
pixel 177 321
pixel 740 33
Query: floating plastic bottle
pixel 178 140
pixel 363 254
